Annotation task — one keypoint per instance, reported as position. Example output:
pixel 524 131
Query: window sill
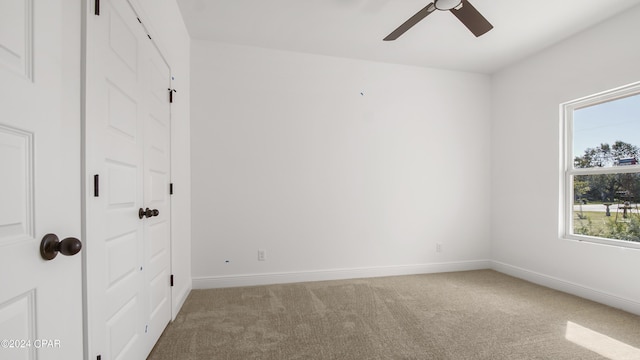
pixel 632 245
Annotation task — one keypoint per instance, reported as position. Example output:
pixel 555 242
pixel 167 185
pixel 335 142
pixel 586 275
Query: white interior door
pixel 127 157
pixel 113 148
pixel 157 160
pixel 40 300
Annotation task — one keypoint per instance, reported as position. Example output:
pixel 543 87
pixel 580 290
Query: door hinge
pixel 171 91
pixel 96 8
pixel 171 189
pixel 171 279
pixel 96 185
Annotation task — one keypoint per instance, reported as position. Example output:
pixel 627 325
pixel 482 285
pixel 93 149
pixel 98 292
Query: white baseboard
pixel 214 282
pixel 568 287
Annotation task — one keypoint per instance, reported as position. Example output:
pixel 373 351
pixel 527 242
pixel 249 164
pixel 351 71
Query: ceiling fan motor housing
pixel 446 5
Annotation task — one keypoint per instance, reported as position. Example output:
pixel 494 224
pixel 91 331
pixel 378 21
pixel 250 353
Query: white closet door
pixel 157 160
pixel 127 132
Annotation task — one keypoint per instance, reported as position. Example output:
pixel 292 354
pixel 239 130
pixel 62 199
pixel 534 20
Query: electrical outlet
pixel 438 247
pixel 262 255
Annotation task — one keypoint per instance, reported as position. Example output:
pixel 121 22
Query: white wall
pixel 290 157
pixel 525 158
pixel 164 22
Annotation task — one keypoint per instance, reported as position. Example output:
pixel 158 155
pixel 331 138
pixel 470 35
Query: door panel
pixel 17 211
pixel 16 30
pixel 123 337
pixel 17 322
pixel 39 191
pixel 157 171
pixel 115 278
pixel 123 110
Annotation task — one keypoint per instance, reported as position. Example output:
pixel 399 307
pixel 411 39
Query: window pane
pixel 607 134
pixel 607 206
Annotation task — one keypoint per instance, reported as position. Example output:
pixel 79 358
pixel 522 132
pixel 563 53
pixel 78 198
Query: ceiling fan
pixel 462 9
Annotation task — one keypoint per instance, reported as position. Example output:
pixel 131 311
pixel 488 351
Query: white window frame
pixel 568 171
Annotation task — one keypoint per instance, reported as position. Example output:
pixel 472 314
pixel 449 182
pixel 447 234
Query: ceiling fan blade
pixel 472 19
pixel 412 21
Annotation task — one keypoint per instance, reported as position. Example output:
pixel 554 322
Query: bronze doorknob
pixel 50 246
pixel 148 213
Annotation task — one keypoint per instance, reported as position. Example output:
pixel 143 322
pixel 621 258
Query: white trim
pixel 568 287
pixel 178 300
pixel 568 171
pixel 628 169
pixel 214 282
pixel 605 96
pixel 624 244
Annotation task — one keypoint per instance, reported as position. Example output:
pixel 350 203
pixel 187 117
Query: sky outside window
pixel 612 121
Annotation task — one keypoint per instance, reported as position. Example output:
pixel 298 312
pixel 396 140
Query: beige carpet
pixel 464 315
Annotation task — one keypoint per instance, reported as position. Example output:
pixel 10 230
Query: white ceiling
pixel 355 28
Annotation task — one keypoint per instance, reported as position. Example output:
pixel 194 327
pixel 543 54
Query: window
pixel 601 182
